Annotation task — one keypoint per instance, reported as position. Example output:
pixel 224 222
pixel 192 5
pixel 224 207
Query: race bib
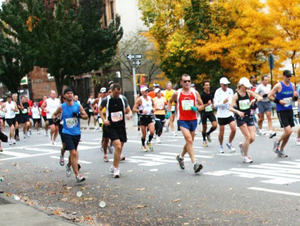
pixel 90 110
pixel 24 111
pixel 71 122
pixel 173 108
pixel 187 104
pixel 288 101
pixel 225 107
pixel 116 116
pixel 160 106
pixel 208 108
pixel 244 104
pixel 100 120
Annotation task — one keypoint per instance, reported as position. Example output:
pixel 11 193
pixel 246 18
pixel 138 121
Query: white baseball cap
pixel 157 90
pixel 144 88
pixel 245 81
pixel 103 90
pixel 224 80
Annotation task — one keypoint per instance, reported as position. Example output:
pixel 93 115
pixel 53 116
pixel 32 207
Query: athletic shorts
pixel 264 107
pixel 190 125
pixel 11 121
pixel 248 119
pixel 51 122
pixel 89 113
pixel 18 118
pixel 3 119
pixel 45 118
pixel 161 117
pixel 30 116
pixel 117 133
pixel 105 132
pixel 36 120
pixel 207 115
pixel 24 118
pixel 71 141
pixel 286 118
pixel 146 120
pixel 225 121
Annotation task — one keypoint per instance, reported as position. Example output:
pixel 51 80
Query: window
pixel 112 10
pixel 105 15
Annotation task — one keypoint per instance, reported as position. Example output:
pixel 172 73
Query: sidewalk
pixel 14 213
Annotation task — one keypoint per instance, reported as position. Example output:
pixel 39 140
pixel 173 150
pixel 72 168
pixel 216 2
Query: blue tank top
pixel 71 125
pixel 285 94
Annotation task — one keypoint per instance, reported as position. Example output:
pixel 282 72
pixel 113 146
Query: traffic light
pixel 141 79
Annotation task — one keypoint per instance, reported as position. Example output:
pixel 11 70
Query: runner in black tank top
pixel 243 115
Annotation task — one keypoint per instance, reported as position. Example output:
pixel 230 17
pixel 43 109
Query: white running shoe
pixel 298 141
pixel 158 141
pixel 14 141
pixel 247 159
pixel 174 134
pixel 111 168
pixel 68 171
pixel 116 173
pixel 221 150
pixel 231 148
pixel 10 142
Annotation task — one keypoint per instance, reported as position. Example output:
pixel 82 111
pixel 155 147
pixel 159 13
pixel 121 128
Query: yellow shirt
pixel 168 95
pixel 159 105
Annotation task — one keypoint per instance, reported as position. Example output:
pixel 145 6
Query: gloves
pixel 295 98
pixel 194 109
pixel 76 115
pixel 168 115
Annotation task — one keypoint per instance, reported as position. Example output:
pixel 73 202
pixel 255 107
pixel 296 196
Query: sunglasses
pixel 185 81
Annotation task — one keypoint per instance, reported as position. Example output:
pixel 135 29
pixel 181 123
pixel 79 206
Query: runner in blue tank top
pixel 71 112
pixel 283 93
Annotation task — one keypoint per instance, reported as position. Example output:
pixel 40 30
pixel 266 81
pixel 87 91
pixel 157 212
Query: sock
pixel 204 136
pixel 16 132
pixel 143 141
pixel 150 138
pixel 211 130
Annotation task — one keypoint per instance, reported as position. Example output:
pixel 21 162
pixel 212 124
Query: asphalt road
pixel 153 190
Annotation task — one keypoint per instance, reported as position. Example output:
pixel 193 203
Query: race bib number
pixel 90 110
pixel 244 104
pixel 24 111
pixel 187 104
pixel 173 108
pixel 71 122
pixel 160 106
pixel 100 120
pixel 225 107
pixel 288 101
pixel 116 116
pixel 208 108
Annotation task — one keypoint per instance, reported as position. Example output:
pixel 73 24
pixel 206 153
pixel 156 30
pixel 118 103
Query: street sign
pixel 130 56
pixel 138 62
pixel 271 62
pixel 134 56
pixel 138 56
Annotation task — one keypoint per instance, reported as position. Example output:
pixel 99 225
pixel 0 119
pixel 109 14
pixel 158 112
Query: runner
pixel 283 93
pixel 240 105
pixel 49 106
pixel 90 111
pixel 18 116
pixel 144 105
pixel 253 107
pixel 10 108
pixel 222 100
pixel 160 112
pixel 208 113
pixel 168 93
pixel 76 99
pixel 36 116
pixel 24 107
pixel 152 93
pixel 187 98
pixel 29 114
pixel 96 104
pixel 116 107
pixel 71 113
pixel 2 116
pixel 44 115
pixel 265 106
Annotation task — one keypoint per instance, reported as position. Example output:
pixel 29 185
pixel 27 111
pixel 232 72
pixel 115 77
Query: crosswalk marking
pixel 66 160
pixel 197 156
pixel 275 191
pixel 16 154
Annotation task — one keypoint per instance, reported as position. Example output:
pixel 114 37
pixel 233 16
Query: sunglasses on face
pixel 185 81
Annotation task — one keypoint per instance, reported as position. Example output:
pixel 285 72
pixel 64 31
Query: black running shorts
pixel 71 141
pixel 117 133
pixel 286 118
pixel 207 115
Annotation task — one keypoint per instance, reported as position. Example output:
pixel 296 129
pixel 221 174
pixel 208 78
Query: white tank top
pixel 10 113
pixel 35 113
pixel 147 105
pixel 52 105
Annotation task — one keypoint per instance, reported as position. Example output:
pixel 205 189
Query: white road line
pixel 277 169
pixel 157 159
pixel 85 142
pixel 66 159
pixel 274 191
pixel 228 154
pixel 29 156
pixel 281 166
pixel 175 154
pixel 40 150
pixel 16 154
pixel 268 172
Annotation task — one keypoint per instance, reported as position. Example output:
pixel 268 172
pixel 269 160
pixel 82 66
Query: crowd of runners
pixel 158 111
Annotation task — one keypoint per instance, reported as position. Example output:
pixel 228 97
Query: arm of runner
pixel 255 95
pixel 3 107
pixel 201 106
pixel 105 121
pixel 94 102
pixel 233 103
pixel 217 100
pixel 172 99
pixel 57 113
pixel 16 108
pixel 44 105
pixel 272 97
pixel 128 113
pixel 136 105
pixel 83 114
pixel 295 93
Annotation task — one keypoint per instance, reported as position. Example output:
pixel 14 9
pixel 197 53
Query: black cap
pixel 68 89
pixel 252 76
pixel 287 73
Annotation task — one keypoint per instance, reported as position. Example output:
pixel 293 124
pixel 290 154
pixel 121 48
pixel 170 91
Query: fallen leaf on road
pixel 8 194
pixel 175 200
pixel 46 171
pixel 37 187
pixel 68 188
pixel 88 199
pixel 141 189
pixel 56 212
pixel 141 206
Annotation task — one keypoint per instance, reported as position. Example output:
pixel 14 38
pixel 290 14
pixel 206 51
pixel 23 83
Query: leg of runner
pixel 214 126
pixel 55 133
pixel 171 123
pixel 285 137
pixel 151 128
pixel 104 147
pixel 143 139
pixel 221 138
pixel 249 135
pixel 118 151
pixel 204 128
pixel 270 126
pixel 232 126
pixel 52 131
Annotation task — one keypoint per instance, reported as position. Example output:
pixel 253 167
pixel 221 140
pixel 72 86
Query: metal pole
pixel 135 119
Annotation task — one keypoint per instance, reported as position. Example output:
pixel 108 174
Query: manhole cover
pixel 4 201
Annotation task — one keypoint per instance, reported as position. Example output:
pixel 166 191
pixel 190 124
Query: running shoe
pixel 208 138
pixel 122 158
pixel 221 150
pixel 10 142
pixel 24 136
pixel 230 146
pixel 62 160
pixel 272 134
pixel 205 143
pixel 27 134
pixel 68 171
pixel 242 148
pixel 197 168
pixel 247 159
pixel 80 178
pixel 174 134
pixel 298 141
pixel 158 141
pixel 180 161
pixel 150 146
pixel 261 133
pixel 276 146
pixel 116 173
pixel 144 149
pixel 281 154
pixel 1 150
pixel 17 138
pixel 110 149
pixel 38 132
pixel 105 158
pixel 14 141
pixel 30 132
pixel 111 168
